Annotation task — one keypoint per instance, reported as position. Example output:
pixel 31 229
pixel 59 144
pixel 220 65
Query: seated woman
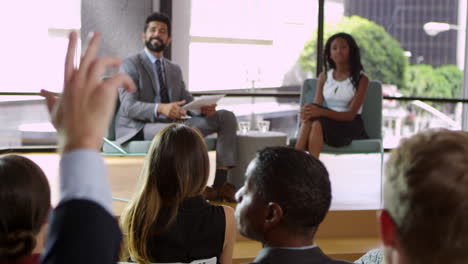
pixel 168 219
pixel 343 86
pixel 24 207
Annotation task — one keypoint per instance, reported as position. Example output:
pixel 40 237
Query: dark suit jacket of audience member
pixel 82 232
pixel 292 256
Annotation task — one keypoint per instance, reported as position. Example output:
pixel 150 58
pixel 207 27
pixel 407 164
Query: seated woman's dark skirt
pixel 341 133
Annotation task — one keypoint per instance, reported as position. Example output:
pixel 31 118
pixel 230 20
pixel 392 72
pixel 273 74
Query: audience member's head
pixel 348 51
pixel 24 206
pixel 426 200
pixel 176 168
pixel 285 197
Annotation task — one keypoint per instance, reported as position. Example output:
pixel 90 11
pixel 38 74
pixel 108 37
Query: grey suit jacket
pixel 293 256
pixel 138 108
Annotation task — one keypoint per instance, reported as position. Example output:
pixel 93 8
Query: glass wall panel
pixel 247 42
pixel 406 118
pixel 416 49
pixel 32 53
pixel 25 122
pixel 251 45
pixel 34 43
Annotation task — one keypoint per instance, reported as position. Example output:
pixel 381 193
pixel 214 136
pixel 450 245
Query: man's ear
pixel 274 215
pixel 169 40
pixel 388 229
pixel 143 37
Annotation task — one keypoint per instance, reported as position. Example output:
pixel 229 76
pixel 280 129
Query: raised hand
pixel 83 112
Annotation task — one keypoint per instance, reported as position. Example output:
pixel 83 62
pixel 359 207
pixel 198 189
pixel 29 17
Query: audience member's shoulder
pixel 228 210
pixel 229 215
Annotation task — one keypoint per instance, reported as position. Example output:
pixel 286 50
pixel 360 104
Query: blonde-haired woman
pixel 168 219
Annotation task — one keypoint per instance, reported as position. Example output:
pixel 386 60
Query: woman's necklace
pixel 336 79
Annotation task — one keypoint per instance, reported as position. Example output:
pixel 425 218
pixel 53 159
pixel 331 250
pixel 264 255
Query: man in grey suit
pixel 285 197
pixel 158 101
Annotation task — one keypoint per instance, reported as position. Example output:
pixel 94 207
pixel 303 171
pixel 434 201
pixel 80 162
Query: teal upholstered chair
pixel 371 115
pixel 134 147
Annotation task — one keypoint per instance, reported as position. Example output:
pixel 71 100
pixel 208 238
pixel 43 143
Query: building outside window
pixel 257 44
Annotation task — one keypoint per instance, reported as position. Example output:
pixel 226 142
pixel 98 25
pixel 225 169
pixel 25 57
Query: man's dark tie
pixel 162 84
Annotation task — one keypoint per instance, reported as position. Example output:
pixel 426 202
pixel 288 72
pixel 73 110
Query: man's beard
pixel 158 45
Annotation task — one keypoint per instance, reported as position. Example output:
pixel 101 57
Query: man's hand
pixel 208 110
pixel 172 110
pixel 83 112
pixel 310 111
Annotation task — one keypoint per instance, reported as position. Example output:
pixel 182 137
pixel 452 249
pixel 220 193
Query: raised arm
pixel 82 228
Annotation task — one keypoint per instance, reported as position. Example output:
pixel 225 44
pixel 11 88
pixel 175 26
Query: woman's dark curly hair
pixel 354 57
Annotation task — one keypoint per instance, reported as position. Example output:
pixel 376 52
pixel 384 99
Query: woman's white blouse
pixel 338 94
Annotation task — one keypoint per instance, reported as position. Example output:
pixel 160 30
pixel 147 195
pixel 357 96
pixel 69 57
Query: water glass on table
pixel 244 127
pixel 263 126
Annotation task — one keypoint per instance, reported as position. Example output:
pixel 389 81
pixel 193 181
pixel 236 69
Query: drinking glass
pixel 263 126
pixel 244 127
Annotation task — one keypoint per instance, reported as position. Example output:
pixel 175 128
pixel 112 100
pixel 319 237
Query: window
pixel 432 65
pixel 34 43
pixel 247 43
